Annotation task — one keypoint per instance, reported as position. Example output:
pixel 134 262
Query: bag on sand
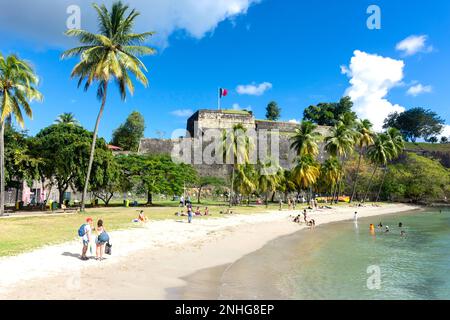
pixel 108 248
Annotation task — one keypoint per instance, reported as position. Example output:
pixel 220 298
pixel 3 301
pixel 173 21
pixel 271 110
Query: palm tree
pixel 236 146
pixel 364 138
pixel 18 84
pixel 397 145
pixel 331 173
pixel 111 54
pixel 246 180
pixel 379 154
pixel 305 139
pixel 306 172
pixel 270 175
pixel 339 144
pixel 67 118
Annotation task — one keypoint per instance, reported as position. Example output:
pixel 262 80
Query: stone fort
pixel 203 120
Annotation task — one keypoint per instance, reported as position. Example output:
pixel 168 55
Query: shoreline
pixel 148 262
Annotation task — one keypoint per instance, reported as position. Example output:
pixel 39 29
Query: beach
pixel 148 262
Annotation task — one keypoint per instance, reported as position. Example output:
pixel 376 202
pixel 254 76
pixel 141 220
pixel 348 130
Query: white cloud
pixel 183 113
pixel 294 121
pixel 445 132
pixel 236 106
pixel 371 78
pixel 44 21
pixel 413 44
pixel 254 89
pixel 419 89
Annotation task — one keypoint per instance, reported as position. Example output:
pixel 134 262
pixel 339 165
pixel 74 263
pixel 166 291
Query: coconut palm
pixel 236 146
pixel 306 172
pixel 305 139
pixel 379 154
pixel 270 175
pixel 331 173
pixel 67 118
pixel 246 180
pixel 112 54
pixel 363 138
pixel 340 144
pixel 397 145
pixel 18 84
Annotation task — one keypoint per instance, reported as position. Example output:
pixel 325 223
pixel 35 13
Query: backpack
pixel 103 237
pixel 82 230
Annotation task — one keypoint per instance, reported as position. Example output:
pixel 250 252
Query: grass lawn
pixel 430 147
pixel 21 234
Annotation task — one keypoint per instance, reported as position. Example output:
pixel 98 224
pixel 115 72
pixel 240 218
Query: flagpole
pixel 218 98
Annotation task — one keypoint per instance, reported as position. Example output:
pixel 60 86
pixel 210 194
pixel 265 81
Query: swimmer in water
pixel 400 225
pixel 387 229
pixel 380 225
pixel 403 233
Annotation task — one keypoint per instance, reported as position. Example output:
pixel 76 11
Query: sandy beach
pixel 148 261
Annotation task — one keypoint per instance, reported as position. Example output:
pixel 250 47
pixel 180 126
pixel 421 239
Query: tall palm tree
pixel 18 88
pixel 379 154
pixel 339 144
pixel 236 146
pixel 363 138
pixel 331 173
pixel 305 139
pixel 306 172
pixel 270 175
pixel 246 180
pixel 112 54
pixel 67 118
pixel 397 145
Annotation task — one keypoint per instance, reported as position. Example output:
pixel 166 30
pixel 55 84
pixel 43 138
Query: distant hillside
pixel 440 151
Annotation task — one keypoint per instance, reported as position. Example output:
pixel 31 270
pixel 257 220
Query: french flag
pixel 223 93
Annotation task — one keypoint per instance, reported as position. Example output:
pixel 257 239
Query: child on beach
pixel 189 214
pixel 206 211
pixel 85 232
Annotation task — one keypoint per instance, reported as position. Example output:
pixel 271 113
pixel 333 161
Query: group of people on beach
pixel 90 235
pixel 310 223
pixel 190 213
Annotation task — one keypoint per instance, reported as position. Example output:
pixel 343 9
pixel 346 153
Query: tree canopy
pixel 129 134
pixel 415 123
pixel 273 111
pixel 329 114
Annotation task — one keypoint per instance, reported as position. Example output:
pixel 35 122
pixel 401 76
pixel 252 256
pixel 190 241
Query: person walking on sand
pixel 190 214
pixel 85 232
pixel 304 216
pixel 102 239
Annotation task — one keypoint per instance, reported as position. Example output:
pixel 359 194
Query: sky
pixel 297 53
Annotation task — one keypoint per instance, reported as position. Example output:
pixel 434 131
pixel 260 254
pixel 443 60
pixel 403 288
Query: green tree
pixel 331 173
pixel 269 177
pixel 246 180
pixel 107 177
pixel 305 139
pixel 329 114
pixel 363 138
pixel 67 118
pixel 18 84
pixel 273 111
pixel 111 54
pixel 205 182
pixel 63 150
pixel 236 146
pixel 306 172
pixel 415 123
pixel 130 133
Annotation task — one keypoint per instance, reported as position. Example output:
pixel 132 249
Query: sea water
pixel 345 261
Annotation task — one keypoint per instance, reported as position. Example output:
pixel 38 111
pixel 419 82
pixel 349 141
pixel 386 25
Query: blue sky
pixel 299 51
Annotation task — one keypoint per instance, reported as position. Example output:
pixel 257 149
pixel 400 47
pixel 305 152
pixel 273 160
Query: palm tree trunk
pixel 94 141
pixel 232 187
pixel 2 168
pixel 370 184
pixel 356 177
pixel 381 185
pixel 198 196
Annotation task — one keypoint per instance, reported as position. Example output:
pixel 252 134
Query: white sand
pixel 149 260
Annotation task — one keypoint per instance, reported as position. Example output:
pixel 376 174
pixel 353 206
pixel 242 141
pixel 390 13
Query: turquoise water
pixel 331 262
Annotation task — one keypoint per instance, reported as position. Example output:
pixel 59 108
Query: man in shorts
pixel 87 237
